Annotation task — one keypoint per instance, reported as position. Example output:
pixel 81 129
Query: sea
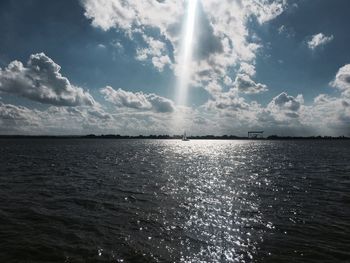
pixel 105 200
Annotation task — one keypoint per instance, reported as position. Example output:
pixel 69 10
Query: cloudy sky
pixel 113 66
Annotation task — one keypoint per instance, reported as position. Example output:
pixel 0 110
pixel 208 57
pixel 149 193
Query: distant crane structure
pixel 256 134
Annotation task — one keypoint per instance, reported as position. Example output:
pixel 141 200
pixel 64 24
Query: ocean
pixel 100 200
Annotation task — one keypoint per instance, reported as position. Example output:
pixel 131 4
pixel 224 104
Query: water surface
pixel 172 201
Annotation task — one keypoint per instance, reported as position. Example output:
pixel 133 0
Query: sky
pixel 74 67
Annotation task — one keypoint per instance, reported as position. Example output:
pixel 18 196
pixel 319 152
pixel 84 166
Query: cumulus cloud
pixel 40 80
pixel 206 42
pixel 137 112
pixel 156 51
pixel 326 115
pixel 228 103
pixel 319 40
pixel 223 39
pixel 54 120
pixel 244 84
pixel 248 69
pixel 285 114
pixel 138 100
pixel 16 118
pixel 342 80
pixel 285 102
pixel 86 120
pixel 231 113
pixel 226 113
pixel 331 114
pixel 283 110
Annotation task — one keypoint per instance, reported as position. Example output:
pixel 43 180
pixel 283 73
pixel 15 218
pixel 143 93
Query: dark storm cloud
pixel 40 80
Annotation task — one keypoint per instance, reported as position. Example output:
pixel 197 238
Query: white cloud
pixel 227 113
pixel 285 102
pixel 281 29
pixel 330 114
pixel 117 45
pixel 54 120
pixel 319 40
pixel 285 109
pixel 137 112
pixel 16 118
pixel 248 69
pixel 40 80
pixel 138 100
pixel 222 41
pixel 227 102
pixel 342 80
pixel 156 51
pixel 286 31
pixel 244 84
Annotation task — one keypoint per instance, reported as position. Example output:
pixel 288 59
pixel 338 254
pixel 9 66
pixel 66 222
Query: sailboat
pixel 184 137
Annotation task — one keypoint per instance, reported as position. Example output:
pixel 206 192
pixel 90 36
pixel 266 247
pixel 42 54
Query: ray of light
pixel 184 69
pixel 186 53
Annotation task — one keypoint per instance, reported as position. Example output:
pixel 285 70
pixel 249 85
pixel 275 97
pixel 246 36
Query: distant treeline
pixel 169 137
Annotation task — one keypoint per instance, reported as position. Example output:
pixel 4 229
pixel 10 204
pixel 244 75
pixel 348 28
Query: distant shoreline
pixel 174 137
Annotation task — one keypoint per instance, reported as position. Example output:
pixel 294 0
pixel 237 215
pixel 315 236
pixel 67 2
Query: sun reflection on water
pixel 220 213
pixel 173 201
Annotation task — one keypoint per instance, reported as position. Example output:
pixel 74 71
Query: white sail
pixel 184 137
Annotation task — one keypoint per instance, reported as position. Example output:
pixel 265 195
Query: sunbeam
pixel 184 68
pixel 186 53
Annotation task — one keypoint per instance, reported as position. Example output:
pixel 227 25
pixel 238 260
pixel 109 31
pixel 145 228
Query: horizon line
pixel 166 136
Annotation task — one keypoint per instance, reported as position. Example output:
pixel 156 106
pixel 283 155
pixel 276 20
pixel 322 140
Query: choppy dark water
pixel 174 201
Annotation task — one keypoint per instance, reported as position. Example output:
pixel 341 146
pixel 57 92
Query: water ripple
pixel 174 201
